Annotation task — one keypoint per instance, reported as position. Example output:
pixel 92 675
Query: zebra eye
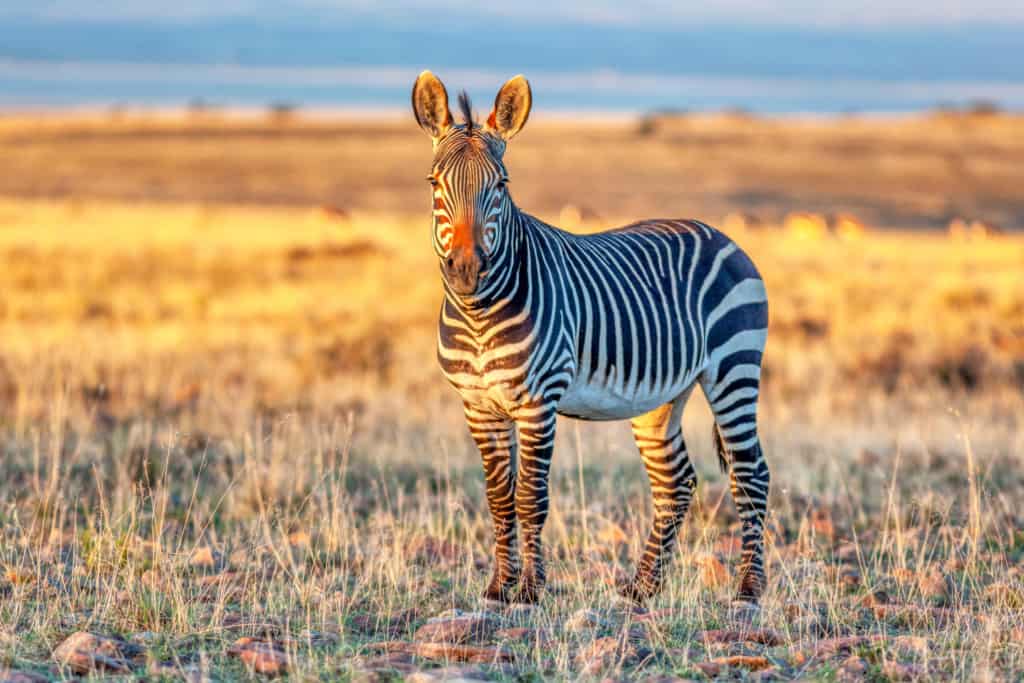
pixel 502 183
pixel 432 180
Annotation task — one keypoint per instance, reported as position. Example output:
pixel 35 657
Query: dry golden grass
pixel 224 422
pixel 907 172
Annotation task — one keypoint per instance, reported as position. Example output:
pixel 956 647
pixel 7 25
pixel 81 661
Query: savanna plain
pixel 228 452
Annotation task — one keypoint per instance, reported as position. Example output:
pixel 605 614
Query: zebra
pixel 537 322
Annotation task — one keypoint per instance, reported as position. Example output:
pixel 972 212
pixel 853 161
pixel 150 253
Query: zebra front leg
pixel 659 437
pixel 496 439
pixel 536 445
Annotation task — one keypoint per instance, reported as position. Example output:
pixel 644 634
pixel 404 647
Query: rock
pixel 854 668
pixel 762 636
pixel 446 651
pixel 715 667
pixel 387 664
pixel 849 576
pixel 391 625
pixel 585 620
pixel 522 634
pixel 84 652
pixel 15 676
pixel 450 674
pixel 916 644
pixel 169 670
pixel 261 656
pixel 607 653
pixel 466 628
pixel 903 672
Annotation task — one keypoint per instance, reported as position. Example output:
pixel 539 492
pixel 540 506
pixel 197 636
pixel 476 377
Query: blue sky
pixel 789 55
pixel 832 13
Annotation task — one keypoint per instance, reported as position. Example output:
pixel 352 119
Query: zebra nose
pixel 462 269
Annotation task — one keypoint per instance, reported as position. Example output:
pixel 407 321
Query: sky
pixel 787 55
pixel 833 13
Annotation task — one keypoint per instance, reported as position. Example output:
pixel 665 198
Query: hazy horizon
pixel 316 53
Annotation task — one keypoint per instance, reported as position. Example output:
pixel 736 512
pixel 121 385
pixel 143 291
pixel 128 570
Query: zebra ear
pixel 430 105
pixel 511 108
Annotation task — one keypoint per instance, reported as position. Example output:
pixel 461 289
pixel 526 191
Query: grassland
pixel 222 420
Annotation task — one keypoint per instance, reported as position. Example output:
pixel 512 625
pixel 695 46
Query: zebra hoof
pixel 499 592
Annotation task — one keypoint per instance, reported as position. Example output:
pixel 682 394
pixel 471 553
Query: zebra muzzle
pixel 462 269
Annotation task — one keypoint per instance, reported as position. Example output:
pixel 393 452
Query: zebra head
pixel 469 181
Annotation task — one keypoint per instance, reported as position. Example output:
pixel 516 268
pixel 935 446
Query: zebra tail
pixel 723 454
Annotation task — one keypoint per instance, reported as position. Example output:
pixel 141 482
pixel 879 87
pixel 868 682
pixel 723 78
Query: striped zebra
pixel 537 322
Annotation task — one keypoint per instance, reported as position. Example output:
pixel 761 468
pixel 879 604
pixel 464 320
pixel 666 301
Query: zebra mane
pixel 466 108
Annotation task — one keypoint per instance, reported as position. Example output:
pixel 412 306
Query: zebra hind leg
pixel 735 408
pixel 496 440
pixel 659 437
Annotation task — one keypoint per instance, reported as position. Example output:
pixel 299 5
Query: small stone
pixel 15 676
pixel 521 634
pixel 849 577
pixel 902 672
pixel 189 673
pixel 853 669
pixel 606 653
pixel 391 625
pixel 445 651
pixel 715 667
pixel 449 674
pixel 261 656
pixel 392 662
pixel 84 652
pixel 466 628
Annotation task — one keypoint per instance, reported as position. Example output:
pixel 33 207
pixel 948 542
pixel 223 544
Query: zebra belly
pixel 592 401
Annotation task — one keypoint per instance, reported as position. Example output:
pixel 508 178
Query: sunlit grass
pixel 259 383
